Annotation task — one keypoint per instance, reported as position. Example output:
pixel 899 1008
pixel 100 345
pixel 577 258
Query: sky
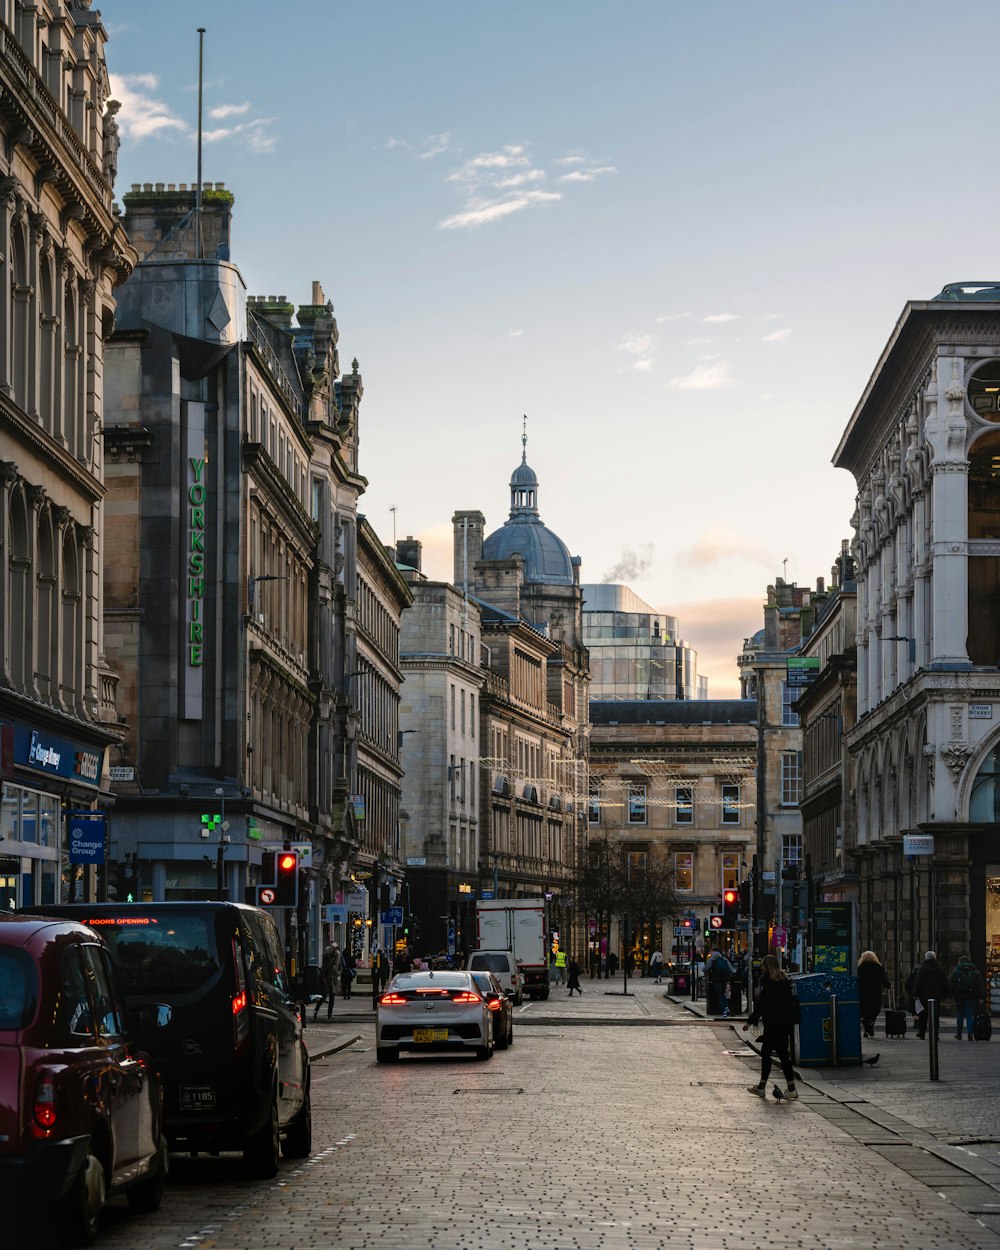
pixel 676 236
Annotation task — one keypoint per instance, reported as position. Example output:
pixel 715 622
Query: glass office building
pixel 635 651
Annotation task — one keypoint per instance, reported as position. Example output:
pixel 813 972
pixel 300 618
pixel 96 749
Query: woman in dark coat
pixel 871 982
pixel 775 1006
pixel 573 968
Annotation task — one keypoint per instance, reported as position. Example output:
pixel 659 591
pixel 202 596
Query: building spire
pixel 524 440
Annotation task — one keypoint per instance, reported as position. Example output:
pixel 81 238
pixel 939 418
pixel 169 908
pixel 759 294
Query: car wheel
pixel 502 1042
pixel 298 1138
pixel 510 1035
pixel 78 1214
pixel 544 994
pixel 262 1150
pixel 518 999
pixel 387 1054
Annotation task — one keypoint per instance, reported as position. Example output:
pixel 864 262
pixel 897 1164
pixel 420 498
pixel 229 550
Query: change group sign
pixel 87 836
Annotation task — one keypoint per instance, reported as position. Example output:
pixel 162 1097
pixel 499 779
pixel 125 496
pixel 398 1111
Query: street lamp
pixel 220 870
pixel 911 650
pixel 252 586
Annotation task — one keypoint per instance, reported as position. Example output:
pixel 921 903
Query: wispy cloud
pixel 704 377
pixel 776 336
pixel 719 545
pixel 718 318
pixel 588 175
pixel 682 316
pixel 143 115
pixel 636 344
pixel 697 342
pixel 480 212
pixel 773 316
pixel 229 110
pixel 515 334
pixel 436 144
pixel 643 364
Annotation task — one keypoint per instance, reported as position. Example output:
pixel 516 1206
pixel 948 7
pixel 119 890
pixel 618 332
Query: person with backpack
pixel 966 987
pixel 929 982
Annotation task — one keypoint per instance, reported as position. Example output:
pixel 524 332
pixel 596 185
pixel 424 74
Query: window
pixel 635 866
pixel 788 697
pixel 685 805
pixel 791 778
pixel 451 639
pixel 453 707
pixel 594 804
pixel 730 870
pixel 98 971
pixel 636 804
pixel 730 805
pixel 684 871
pixel 462 701
pixel 791 850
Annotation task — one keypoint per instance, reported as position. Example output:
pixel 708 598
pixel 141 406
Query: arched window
pixel 984 802
pixel 20 294
pixel 47 617
pixel 72 621
pixel 47 337
pixel 19 595
pixel 71 378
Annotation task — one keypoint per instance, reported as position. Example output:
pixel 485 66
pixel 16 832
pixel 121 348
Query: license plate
pixel 430 1035
pixel 197 1098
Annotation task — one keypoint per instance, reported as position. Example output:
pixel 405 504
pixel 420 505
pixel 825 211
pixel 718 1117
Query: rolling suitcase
pixel 982 1025
pixel 895 1018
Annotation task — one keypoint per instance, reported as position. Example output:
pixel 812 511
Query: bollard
pixel 932 1036
pixel 833 1027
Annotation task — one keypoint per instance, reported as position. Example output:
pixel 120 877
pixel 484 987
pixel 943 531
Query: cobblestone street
pixel 597 1133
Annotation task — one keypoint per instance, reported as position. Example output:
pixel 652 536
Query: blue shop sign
pixel 58 757
pixel 87 835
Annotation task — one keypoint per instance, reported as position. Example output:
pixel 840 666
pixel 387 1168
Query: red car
pixel 80 1107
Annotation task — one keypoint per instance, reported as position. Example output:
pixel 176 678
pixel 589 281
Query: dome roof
pixel 546 557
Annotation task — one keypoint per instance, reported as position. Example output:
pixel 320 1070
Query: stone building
pixel 64 251
pixel 673 780
pixel 534 728
pixel 440 746
pixel 232 578
pixel 923 445
pixel 382 597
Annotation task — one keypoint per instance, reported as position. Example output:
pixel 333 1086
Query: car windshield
pixel 161 954
pixel 489 962
pixel 441 980
pixel 18 989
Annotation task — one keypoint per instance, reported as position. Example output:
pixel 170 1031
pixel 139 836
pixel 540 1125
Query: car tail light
pixel 44 1110
pixel 392 1000
pixel 466 996
pixel 493 1004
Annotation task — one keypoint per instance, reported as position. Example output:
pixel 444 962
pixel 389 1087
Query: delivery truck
pixel 520 926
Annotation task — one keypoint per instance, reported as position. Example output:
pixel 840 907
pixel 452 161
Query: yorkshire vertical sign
pixel 195 511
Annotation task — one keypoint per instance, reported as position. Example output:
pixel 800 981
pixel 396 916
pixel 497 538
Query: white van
pixel 503 966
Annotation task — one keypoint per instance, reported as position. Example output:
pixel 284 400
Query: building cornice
pixel 45 448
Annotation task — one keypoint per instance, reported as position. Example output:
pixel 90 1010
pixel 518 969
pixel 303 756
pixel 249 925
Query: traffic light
pixel 730 908
pixel 286 878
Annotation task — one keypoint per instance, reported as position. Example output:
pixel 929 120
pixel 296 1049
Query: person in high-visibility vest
pixel 560 962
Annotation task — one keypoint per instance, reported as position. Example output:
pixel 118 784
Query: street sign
pixel 335 913
pixel 87 832
pixel 715 922
pixel 267 895
pixel 801 670
pixel 681 931
pixel 780 936
pixel 121 772
pixel 490 894
pixel 416 861
pixel 918 844
pixel 392 915
pixel 357 901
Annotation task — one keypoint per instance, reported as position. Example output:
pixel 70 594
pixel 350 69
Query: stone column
pixel 949 518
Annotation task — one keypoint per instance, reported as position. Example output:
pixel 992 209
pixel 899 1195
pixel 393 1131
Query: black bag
pixel 895 1020
pixel 982 1025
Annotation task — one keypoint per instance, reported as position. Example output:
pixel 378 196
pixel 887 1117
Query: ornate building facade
pixel 923 445
pixel 64 251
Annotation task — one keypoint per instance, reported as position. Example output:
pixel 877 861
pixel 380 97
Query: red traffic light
pixel 730 908
pixel 729 897
pixel 288 862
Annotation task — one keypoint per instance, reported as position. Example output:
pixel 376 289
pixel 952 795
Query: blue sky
pixel 676 235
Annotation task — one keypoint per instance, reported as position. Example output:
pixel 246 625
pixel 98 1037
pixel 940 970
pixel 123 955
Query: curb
pixel 332 1048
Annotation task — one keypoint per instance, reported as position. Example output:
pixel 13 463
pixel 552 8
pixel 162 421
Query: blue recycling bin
pixel 815 992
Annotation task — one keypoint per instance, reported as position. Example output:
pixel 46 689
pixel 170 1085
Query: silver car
pixel 433 1011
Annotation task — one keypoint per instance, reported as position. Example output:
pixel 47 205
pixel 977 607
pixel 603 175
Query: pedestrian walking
pixel 966 987
pixel 872 980
pixel 595 963
pixel 329 971
pixel 573 968
pixel 775 1006
pixel 380 974
pixel 346 973
pixel 403 962
pixel 929 982
pixel 612 963
pixel 559 960
pixel 656 965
